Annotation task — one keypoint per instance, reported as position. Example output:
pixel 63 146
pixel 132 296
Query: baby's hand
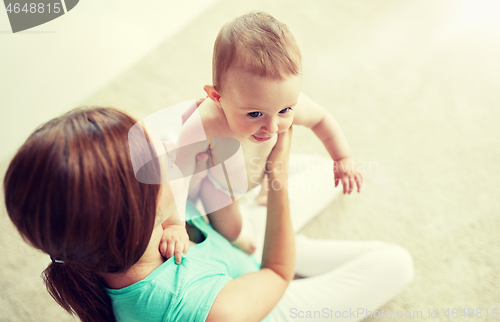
pixel 174 242
pixel 346 171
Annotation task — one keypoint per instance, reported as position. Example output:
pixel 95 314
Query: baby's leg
pixel 261 199
pixel 226 220
pixel 223 214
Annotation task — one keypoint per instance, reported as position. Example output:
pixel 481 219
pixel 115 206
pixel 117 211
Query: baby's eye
pixel 285 110
pixel 254 114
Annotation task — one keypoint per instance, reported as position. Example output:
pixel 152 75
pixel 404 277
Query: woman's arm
pixel 252 296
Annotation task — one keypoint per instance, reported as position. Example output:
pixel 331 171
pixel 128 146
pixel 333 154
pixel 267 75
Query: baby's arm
pixel 175 240
pixel 326 128
pixel 190 159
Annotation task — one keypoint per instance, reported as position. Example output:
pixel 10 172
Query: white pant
pixel 344 280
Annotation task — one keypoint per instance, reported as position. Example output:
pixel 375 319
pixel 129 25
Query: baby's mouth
pixel 261 139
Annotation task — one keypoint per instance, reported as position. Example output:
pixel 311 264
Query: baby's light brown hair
pixel 256 43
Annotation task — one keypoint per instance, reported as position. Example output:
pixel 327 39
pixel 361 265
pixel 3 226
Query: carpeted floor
pixel 413 85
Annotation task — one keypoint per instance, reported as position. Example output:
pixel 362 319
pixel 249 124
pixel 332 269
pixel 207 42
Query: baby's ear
pixel 213 94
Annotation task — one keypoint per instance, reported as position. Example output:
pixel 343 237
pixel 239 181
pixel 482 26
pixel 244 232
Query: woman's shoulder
pixel 183 292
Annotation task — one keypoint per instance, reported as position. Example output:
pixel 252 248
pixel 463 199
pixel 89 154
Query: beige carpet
pixel 415 89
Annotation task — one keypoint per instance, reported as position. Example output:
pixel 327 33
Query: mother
pixel 71 192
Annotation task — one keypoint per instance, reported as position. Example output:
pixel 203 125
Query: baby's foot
pixel 261 199
pixel 245 244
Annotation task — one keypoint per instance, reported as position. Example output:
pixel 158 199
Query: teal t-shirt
pixel 187 291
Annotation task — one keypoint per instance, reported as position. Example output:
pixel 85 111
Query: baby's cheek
pixel 249 129
pixel 285 124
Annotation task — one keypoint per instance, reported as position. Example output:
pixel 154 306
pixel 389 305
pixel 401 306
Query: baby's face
pixel 258 108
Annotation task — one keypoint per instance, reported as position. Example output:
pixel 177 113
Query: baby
pixel 256 95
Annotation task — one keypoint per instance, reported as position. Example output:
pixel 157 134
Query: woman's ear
pixel 213 94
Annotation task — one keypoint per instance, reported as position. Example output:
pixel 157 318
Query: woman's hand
pixel 277 162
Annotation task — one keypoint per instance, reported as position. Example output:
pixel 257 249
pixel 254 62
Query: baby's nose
pixel 270 127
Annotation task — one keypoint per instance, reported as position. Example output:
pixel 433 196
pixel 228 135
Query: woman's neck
pixel 150 260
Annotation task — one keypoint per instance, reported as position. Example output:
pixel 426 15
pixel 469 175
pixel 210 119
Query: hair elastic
pixel 57 261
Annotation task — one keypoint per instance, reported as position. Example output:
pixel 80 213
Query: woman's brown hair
pixel 71 192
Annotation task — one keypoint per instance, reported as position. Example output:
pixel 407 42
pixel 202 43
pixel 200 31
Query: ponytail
pixel 79 292
pixel 71 192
